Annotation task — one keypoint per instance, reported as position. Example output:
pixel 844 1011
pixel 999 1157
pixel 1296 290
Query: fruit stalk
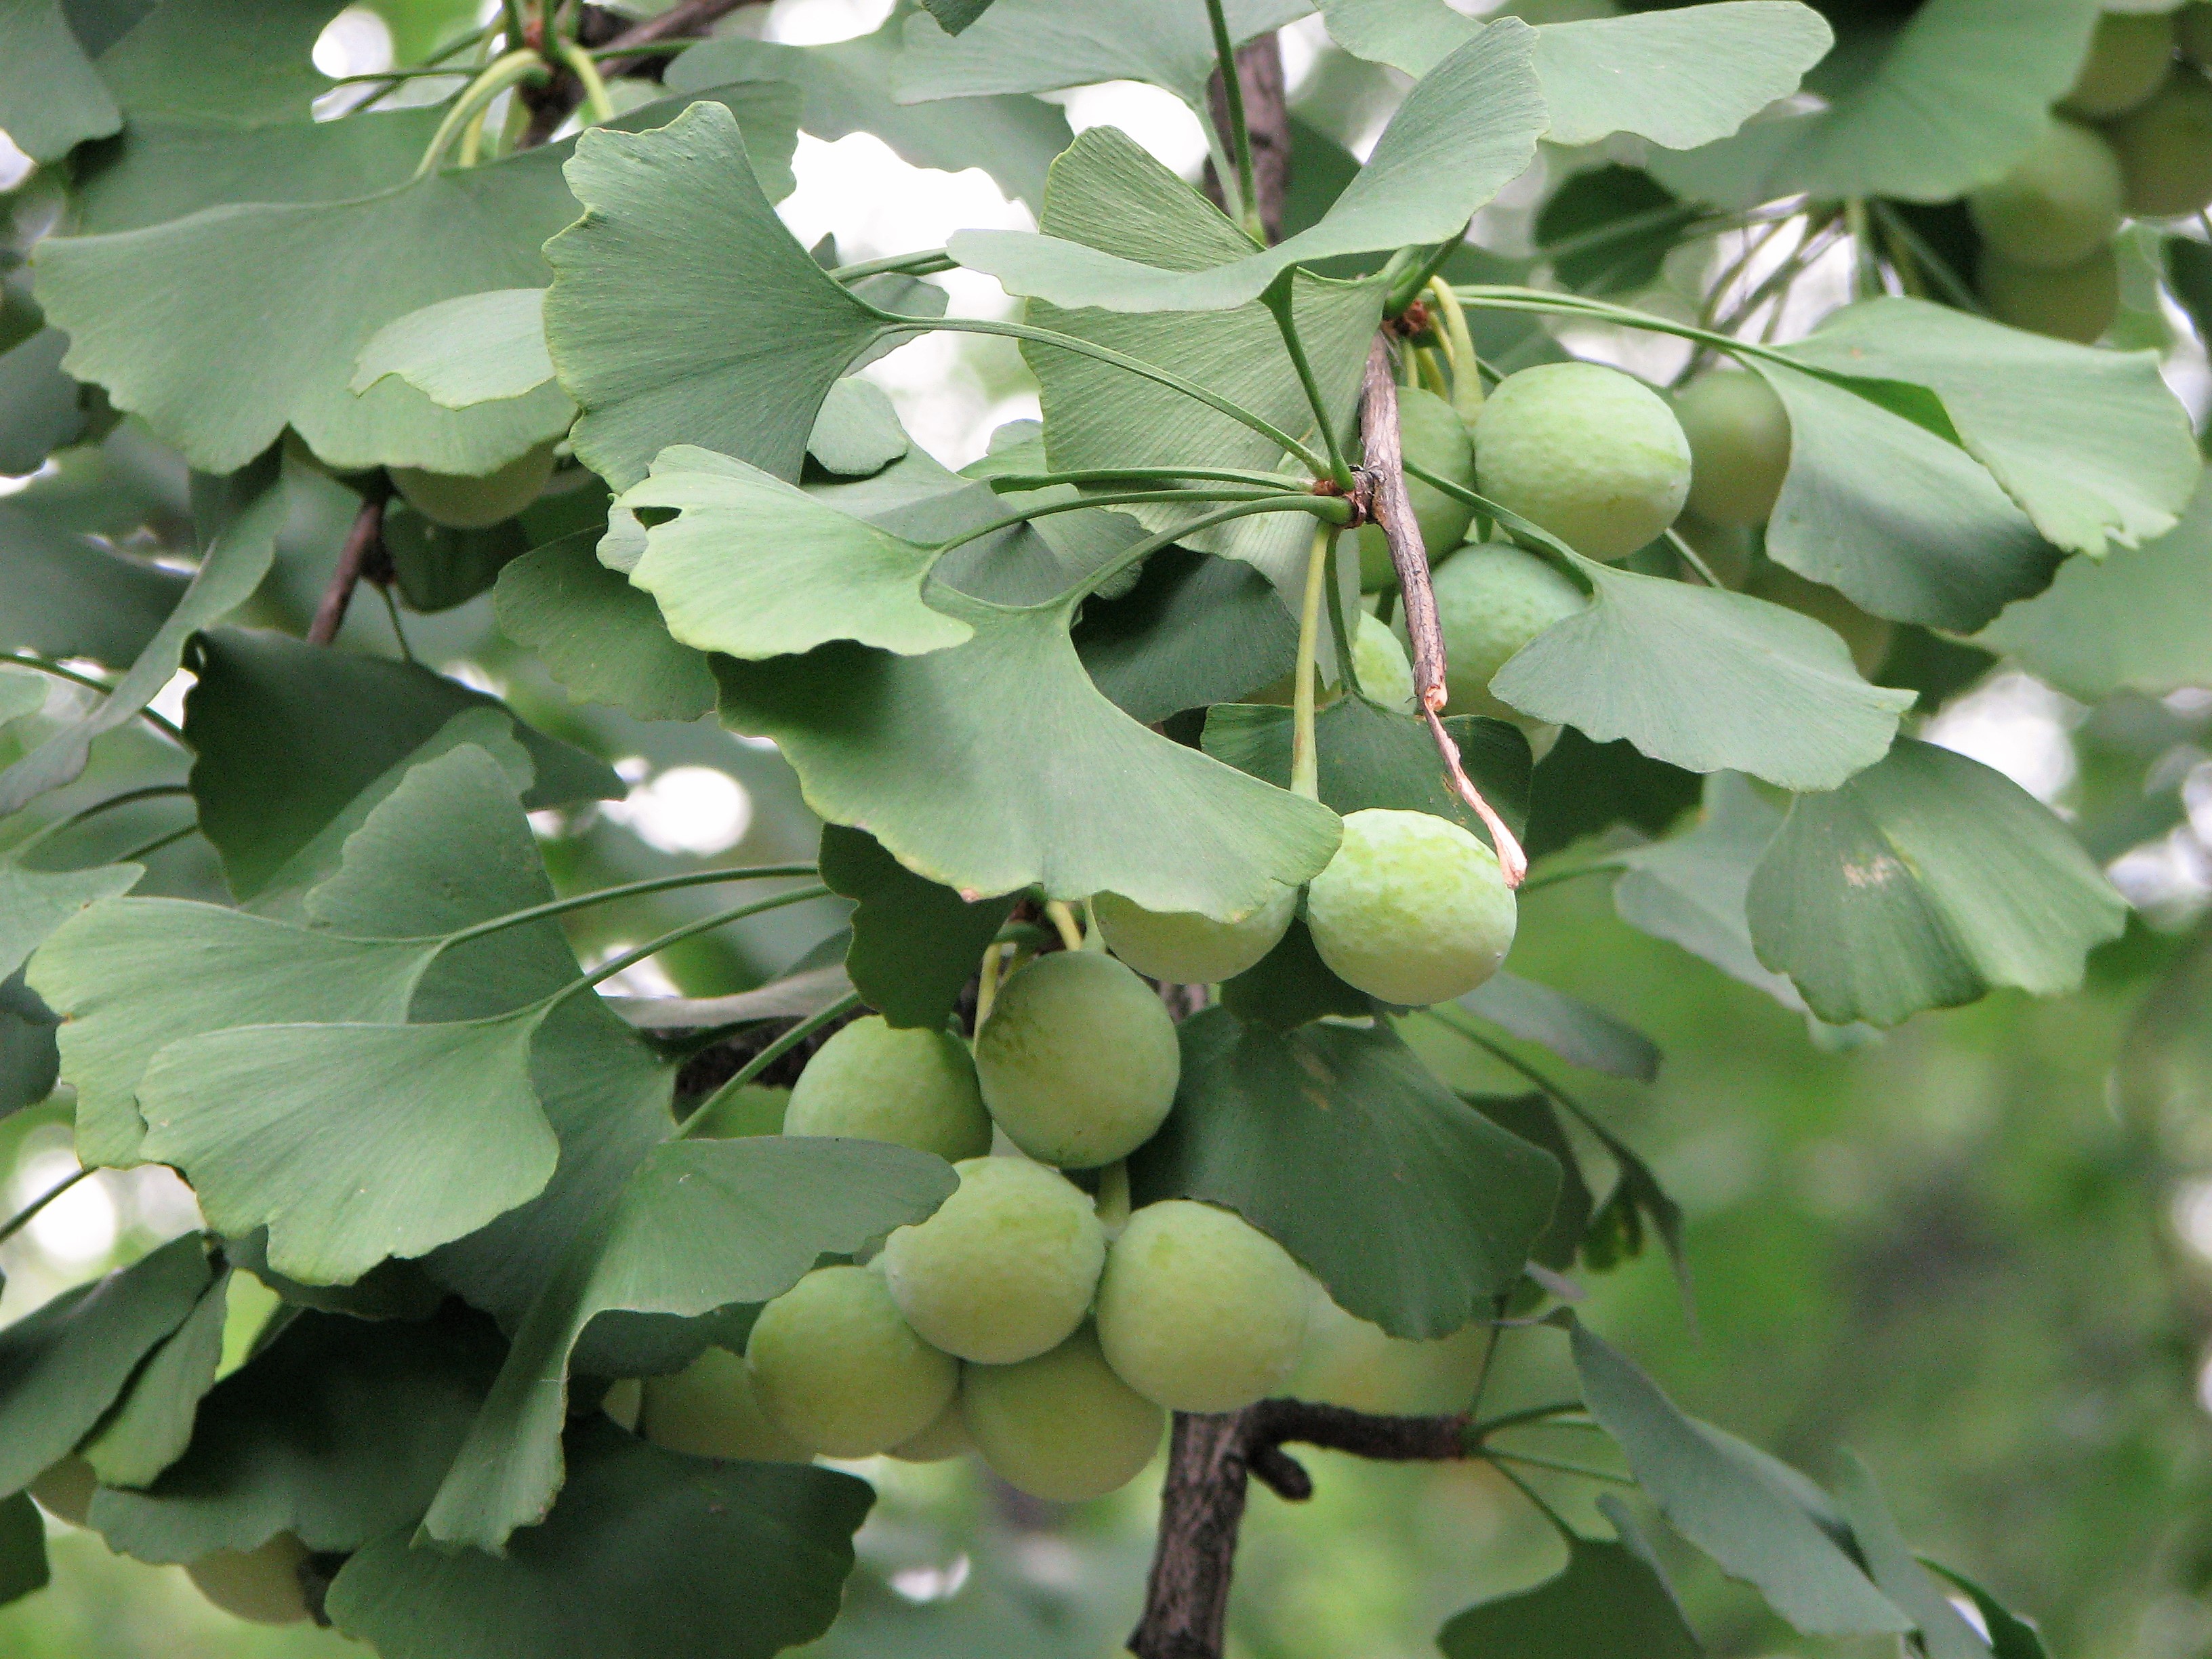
pixel 1383 480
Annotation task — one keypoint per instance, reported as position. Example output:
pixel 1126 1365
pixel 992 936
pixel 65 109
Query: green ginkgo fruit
pixel 947 1437
pixel 2075 303
pixel 1413 909
pixel 1005 1268
pixel 1378 657
pixel 2129 57
pixel 2192 32
pixel 261 1585
pixel 837 1367
pixel 1199 1310
pixel 1184 948
pixel 1062 1426
pixel 470 503
pixel 65 1491
pixel 711 1409
pixel 1350 1363
pixel 1491 599
pixel 2165 150
pixel 1739 434
pixel 1078 1059
pixel 2058 204
pixel 1435 438
pixel 1585 452
pixel 874 1081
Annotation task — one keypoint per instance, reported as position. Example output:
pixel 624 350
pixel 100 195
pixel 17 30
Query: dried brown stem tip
pixel 1383 476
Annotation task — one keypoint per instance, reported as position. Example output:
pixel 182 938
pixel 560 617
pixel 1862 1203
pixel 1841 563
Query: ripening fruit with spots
pixel 1433 437
pixel 1199 1310
pixel 2058 204
pixel 1412 910
pixel 1739 434
pixel 838 1368
pixel 1077 1060
pixel 1005 1268
pixel 260 1585
pixel 476 503
pixel 874 1081
pixel 1585 452
pixel 711 1409
pixel 1184 948
pixel 1491 599
pixel 1062 1426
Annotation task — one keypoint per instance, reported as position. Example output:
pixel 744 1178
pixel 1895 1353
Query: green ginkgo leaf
pixel 914 942
pixel 1944 1632
pixel 753 567
pixel 1610 1598
pixel 1468 127
pixel 64 593
pixel 41 409
pixel 604 640
pixel 242 62
pixel 53 99
pixel 34 902
pixel 22 1548
pixel 472 349
pixel 150 1429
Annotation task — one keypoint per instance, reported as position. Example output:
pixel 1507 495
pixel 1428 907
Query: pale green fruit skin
pixel 2129 56
pixel 874 1081
pixel 1078 1060
pixel 837 1367
pixel 1348 1362
pixel 2165 149
pixel 712 1409
pixel 1005 1268
pixel 1739 434
pixel 623 1401
pixel 260 1585
pixel 1384 673
pixel 1867 636
pixel 1591 454
pixel 1434 437
pixel 1199 1310
pixel 1413 909
pixel 2077 303
pixel 2060 204
pixel 1491 599
pixel 1184 948
pixel 2192 28
pixel 65 1491
pixel 947 1437
pixel 466 503
pixel 1061 1426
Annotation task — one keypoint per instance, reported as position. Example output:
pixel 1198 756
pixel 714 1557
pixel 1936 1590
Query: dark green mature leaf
pixel 742 1559
pixel 1536 1119
pixel 1372 756
pixel 22 1548
pixel 2189 278
pixel 30 1059
pixel 1610 1598
pixel 149 1430
pixel 39 410
pixel 954 15
pixel 1579 1032
pixel 1411 1207
pixel 337 1430
pixel 915 943
pixel 2132 620
pixel 1944 1632
pixel 1585 788
pixel 62 1366
pixel 1608 230
pixel 1707 680
pixel 1291 986
pixel 435 567
pixel 604 640
pixel 997 765
pixel 52 98
pixel 218 60
pixel 34 902
pixel 2011 1636
pixel 846 87
pixel 1925 883
pixel 394 1290
pixel 757 568
pixel 62 594
pixel 1467 127
pixel 1905 523
pixel 237 520
pixel 702 1224
pixel 1735 1510
pixel 1194 630
pixel 327 724
pixel 1679 77
pixel 683 312
pixel 2091 444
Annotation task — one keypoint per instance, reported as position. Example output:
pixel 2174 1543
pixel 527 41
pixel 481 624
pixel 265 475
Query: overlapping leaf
pixel 30 1059
pixel 1610 1598
pixel 1579 1032
pixel 64 594
pixel 1194 630
pixel 1944 1632
pixel 151 1427
pixel 472 349
pixel 604 640
pixel 40 410
pixel 53 99
pixel 914 943
pixel 214 60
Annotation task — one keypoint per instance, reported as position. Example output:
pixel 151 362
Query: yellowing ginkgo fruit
pixel 1186 949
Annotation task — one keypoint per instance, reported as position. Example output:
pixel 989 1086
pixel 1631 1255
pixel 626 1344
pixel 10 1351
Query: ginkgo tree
pixel 1177 761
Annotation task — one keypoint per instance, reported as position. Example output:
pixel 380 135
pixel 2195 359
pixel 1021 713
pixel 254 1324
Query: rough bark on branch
pixel 1266 125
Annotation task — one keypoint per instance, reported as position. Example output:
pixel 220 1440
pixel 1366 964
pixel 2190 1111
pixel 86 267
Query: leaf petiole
pixel 1278 299
pixel 1239 134
pixel 510 69
pixel 561 906
pixel 159 721
pixel 652 947
pixel 1334 509
pixel 29 1213
pixel 1305 764
pixel 596 99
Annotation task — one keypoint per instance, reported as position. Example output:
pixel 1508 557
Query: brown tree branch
pixel 1212 1461
pixel 360 554
pixel 1384 481
pixel 553 102
pixel 1267 124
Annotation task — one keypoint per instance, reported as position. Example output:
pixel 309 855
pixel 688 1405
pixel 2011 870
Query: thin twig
pixel 366 531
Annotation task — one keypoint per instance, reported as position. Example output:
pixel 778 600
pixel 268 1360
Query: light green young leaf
pixel 237 520
pixel 1925 883
pixel 857 434
pixel 997 764
pixel 51 98
pixel 1748 1521
pixel 1679 78
pixel 1042 46
pixel 1707 680
pixel 1413 1207
pixel 682 311
pixel 604 640
pixel 472 349
pixel 2091 444
pixel 1467 128
pixel 150 1430
pixel 2134 620
pixel 63 1366
pixel 1610 1598
pixel 702 1224
pixel 741 1560
pixel 1944 1632
pixel 753 567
